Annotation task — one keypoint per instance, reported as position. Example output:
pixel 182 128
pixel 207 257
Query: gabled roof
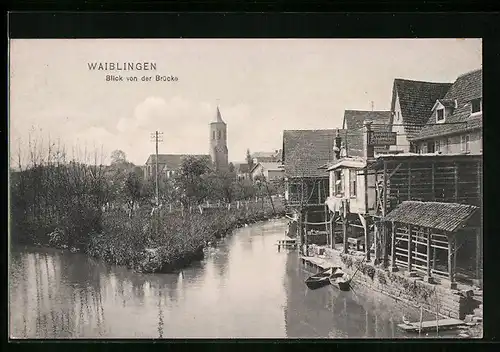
pixel 416 99
pixel 305 151
pixel 172 161
pixel 447 103
pixel 466 88
pixel 354 119
pixel 271 166
pixel 264 155
pixel 435 215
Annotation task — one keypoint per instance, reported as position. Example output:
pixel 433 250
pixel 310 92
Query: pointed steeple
pixel 219 116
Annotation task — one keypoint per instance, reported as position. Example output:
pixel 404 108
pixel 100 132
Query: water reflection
pixel 243 288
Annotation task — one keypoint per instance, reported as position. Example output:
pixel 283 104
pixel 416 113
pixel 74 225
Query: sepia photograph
pixel 245 188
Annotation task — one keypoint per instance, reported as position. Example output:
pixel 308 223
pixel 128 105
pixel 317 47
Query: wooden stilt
pixel 306 239
pixel 394 267
pixel 367 240
pixel 385 234
pixel 478 254
pixel 344 230
pixel 410 240
pixel 326 226
pixel 451 261
pixel 429 270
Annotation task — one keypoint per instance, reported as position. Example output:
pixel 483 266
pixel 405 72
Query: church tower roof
pixel 219 117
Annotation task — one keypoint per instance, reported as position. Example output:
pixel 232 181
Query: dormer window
pixel 476 106
pixel 440 115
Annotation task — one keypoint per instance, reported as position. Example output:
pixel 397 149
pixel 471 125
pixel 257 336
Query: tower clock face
pixel 220 149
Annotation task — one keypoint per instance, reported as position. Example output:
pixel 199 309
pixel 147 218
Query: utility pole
pixel 157 137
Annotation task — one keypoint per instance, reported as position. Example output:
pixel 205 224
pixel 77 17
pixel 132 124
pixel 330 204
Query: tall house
pixel 218 143
pixel 411 103
pixel 455 122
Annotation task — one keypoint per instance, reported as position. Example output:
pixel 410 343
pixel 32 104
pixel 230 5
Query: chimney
pixel 337 146
pixel 368 150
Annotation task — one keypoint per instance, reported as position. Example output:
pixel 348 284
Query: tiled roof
pixel 273 166
pixel 447 103
pixel 416 99
pixel 261 155
pixel 241 168
pixel 354 119
pixel 304 151
pixel 440 216
pixel 466 88
pixel 172 161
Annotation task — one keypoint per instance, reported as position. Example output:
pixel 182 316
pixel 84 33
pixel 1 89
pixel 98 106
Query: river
pixel 244 288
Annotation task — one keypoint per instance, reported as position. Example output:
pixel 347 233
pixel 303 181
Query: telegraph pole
pixel 157 137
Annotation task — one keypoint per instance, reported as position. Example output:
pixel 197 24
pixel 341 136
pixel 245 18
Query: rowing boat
pixel 320 279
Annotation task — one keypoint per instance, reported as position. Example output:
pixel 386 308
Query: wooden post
pixel 299 233
pixel 451 260
pixel 384 209
pixel 366 188
pixel 433 183
pixel 326 226
pixel 332 231
pixel 409 181
pixel 367 241
pixel 394 267
pixel 409 247
pixel 306 240
pixel 434 257
pixel 344 230
pixel 478 253
pixel 383 228
pixel 429 244
pixel 456 181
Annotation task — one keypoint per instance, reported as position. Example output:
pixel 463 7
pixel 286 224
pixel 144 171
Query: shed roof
pixel 349 163
pixel 435 215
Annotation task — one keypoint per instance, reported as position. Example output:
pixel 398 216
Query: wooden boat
pixel 340 280
pixel 320 279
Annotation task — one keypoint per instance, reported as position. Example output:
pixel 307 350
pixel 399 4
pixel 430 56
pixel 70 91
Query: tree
pixel 132 189
pixel 231 167
pixel 118 157
pixel 249 161
pixel 190 180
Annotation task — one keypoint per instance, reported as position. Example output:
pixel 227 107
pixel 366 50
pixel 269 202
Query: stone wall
pixel 410 290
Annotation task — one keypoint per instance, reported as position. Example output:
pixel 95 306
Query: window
pixel 424 148
pixel 218 134
pixel 430 147
pixel 464 143
pixel 440 115
pixel 213 135
pixel 352 182
pixel 437 146
pixel 338 183
pixel 397 114
pixel 476 106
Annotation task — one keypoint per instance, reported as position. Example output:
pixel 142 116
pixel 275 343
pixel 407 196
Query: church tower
pixel 218 143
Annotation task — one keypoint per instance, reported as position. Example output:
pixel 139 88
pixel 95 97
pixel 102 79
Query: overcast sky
pixel 263 87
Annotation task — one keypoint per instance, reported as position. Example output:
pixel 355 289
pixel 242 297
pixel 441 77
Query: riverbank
pixel 412 291
pixel 166 240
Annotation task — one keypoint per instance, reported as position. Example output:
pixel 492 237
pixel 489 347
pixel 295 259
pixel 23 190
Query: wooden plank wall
pixel 440 181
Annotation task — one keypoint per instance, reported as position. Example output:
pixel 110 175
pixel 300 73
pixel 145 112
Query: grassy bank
pixel 166 241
